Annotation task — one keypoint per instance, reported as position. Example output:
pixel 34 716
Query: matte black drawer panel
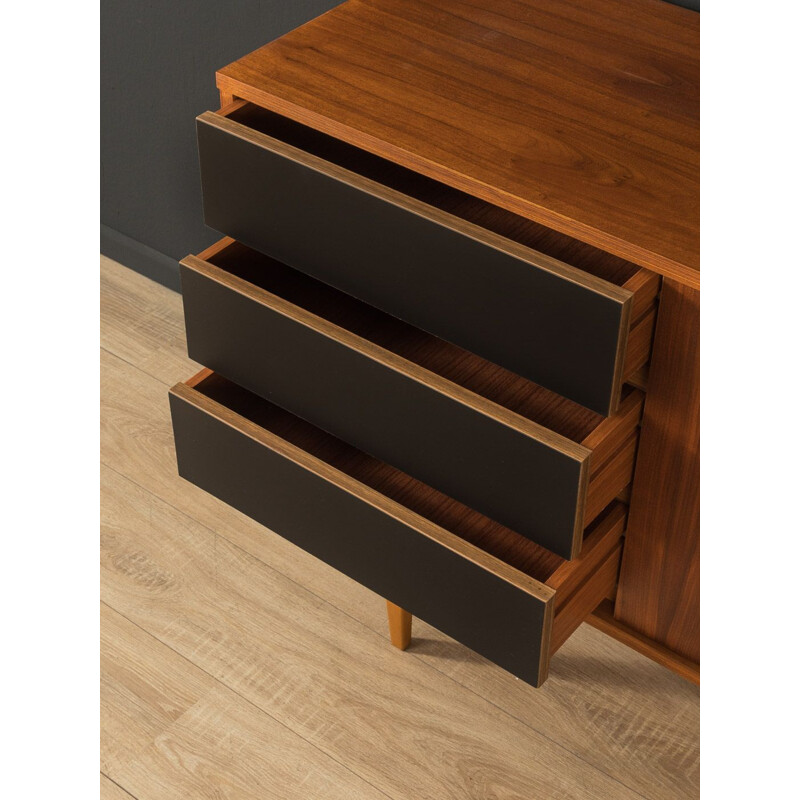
pixel 532 460
pixel 468 576
pixel 555 324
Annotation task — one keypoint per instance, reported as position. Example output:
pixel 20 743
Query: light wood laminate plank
pixel 316 671
pixel 202 739
pixel 138 704
pixel 111 791
pixel 142 323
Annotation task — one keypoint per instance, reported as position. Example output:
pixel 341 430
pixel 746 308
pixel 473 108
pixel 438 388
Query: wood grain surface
pixel 189 730
pixel 659 592
pixel 608 723
pixel 582 117
pixel 603 619
pixel 580 583
pixel 111 791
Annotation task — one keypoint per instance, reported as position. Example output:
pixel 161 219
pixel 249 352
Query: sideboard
pixel 451 334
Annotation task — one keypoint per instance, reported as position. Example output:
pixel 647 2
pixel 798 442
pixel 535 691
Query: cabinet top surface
pixel 581 116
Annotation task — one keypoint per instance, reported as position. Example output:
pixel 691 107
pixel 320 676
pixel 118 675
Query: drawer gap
pixel 460 204
pixel 471 526
pixel 455 364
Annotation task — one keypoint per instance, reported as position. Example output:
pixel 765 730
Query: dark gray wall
pixel 158 65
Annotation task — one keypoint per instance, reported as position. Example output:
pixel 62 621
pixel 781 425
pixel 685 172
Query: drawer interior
pixel 603 435
pixel 641 282
pixel 467 524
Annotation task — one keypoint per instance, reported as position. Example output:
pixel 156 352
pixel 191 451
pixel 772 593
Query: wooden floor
pixel 234 665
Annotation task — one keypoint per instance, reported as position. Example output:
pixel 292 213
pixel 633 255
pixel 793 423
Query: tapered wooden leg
pixel 399 625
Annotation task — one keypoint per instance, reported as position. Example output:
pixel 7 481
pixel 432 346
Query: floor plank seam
pixel 117 783
pixel 136 366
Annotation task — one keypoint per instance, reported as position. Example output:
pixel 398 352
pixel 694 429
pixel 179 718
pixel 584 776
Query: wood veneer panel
pixel 659 589
pixel 584 118
pixel 601 540
pixel 639 378
pixel 603 619
pixel 640 343
pixel 611 479
pixel 581 602
pixel 582 583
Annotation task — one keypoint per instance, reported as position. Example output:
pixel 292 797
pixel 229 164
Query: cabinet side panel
pixel 659 589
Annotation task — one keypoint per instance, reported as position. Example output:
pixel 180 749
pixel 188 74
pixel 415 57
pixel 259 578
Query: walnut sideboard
pixel 451 334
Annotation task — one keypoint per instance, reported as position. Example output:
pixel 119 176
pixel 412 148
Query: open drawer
pixel 535 461
pixel 479 582
pixel 557 311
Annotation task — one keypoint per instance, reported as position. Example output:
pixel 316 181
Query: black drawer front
pixel 564 331
pixel 535 487
pixel 226 456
